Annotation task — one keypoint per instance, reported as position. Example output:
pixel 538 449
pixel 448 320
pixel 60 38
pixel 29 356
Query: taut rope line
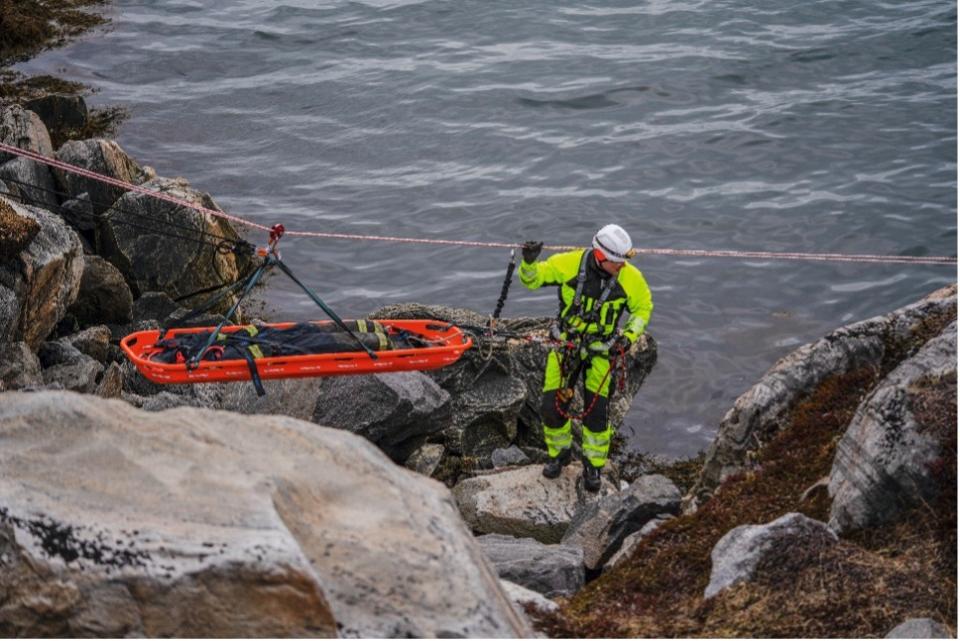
pixel 689 253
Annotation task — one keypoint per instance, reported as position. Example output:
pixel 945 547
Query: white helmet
pixel 614 242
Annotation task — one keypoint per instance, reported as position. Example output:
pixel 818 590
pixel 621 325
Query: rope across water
pixel 650 251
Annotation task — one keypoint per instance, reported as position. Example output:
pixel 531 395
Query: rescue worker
pixel 595 286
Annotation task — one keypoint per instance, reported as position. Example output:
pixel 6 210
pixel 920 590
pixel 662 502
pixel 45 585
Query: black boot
pixel 555 465
pixel 591 477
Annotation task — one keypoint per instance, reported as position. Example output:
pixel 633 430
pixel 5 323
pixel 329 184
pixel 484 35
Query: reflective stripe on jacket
pixel 631 294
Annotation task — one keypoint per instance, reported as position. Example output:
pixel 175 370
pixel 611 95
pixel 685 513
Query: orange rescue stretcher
pixel 443 344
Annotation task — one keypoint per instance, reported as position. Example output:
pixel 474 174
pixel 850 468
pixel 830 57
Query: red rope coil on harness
pixel 618 362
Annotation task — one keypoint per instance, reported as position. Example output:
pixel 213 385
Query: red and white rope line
pixel 689 253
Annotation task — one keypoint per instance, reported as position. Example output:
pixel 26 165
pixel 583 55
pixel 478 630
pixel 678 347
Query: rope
pixel 650 251
pixel 618 363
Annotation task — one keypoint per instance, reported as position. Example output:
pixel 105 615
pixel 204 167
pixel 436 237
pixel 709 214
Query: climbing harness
pixel 576 354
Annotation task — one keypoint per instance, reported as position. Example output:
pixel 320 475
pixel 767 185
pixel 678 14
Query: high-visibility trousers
pixel 597 431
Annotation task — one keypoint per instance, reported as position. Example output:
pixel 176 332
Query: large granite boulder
pixel 22 128
pixel 551 570
pixel 522 503
pixel 759 414
pixel 885 463
pixel 737 554
pixel 38 284
pixel 104 296
pixel 66 367
pixel 117 522
pixel 152 260
pixel 496 387
pixel 103 157
pixel 600 527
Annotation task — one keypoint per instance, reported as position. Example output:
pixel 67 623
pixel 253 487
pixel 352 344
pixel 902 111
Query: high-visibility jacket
pixel 577 269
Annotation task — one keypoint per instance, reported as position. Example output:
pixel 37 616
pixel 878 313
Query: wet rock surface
pixel 116 522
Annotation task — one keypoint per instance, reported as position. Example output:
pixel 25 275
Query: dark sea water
pixel 817 126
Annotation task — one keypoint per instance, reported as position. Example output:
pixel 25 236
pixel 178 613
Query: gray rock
pixel 599 528
pixel 41 282
pixel 104 296
pixel 19 367
pixel 397 411
pixel 159 401
pixel 104 157
pixel 61 114
pixel 919 629
pixel 78 212
pixel 82 376
pixel 22 128
pixel 521 596
pixel 759 414
pixel 737 554
pixel 157 306
pixel 425 459
pixel 632 541
pixel 30 183
pixel 551 570
pixel 157 262
pixel 293 397
pixel 884 462
pixel 93 341
pixel 200 523
pixel 505 457
pixel 522 503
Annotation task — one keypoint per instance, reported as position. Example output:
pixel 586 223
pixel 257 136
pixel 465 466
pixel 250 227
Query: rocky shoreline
pixel 412 504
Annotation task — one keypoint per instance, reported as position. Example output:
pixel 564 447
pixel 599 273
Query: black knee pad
pixel 548 410
pixel 596 420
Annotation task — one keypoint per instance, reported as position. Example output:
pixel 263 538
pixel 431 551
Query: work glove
pixel 531 249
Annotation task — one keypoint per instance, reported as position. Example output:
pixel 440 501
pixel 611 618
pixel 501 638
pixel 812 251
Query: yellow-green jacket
pixel 630 293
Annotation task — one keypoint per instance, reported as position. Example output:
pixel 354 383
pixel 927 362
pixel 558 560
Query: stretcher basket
pixel 445 344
